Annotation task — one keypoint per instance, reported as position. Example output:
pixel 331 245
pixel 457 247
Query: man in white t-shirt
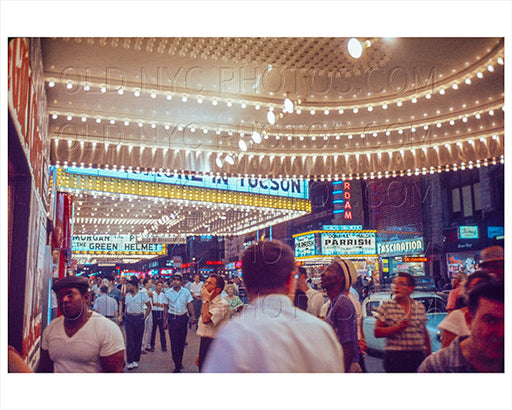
pixel 80 341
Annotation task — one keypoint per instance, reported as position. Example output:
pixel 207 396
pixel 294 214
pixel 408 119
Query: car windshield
pixel 432 305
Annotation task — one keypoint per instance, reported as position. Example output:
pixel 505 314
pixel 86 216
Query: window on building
pixel 455 200
pixel 467 201
pixel 478 199
pixel 465 194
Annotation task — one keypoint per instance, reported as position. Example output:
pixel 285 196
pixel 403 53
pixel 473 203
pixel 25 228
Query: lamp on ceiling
pixel 355 47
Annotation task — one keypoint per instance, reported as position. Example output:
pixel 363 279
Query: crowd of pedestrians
pixel 106 325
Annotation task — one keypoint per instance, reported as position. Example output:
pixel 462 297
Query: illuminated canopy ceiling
pixel 201 105
pixel 216 107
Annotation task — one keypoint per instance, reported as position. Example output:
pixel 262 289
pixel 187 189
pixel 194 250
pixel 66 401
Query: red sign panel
pixel 415 259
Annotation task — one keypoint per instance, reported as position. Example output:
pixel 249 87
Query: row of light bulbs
pixel 329 177
pixel 229 157
pixel 277 215
pixel 297 107
pixel 256 135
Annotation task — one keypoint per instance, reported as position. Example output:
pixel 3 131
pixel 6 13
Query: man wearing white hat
pixel 336 279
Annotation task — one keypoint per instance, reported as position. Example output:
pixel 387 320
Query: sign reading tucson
pixel 291 188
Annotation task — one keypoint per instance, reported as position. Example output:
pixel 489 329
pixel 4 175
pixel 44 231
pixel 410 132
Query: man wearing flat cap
pixel 80 341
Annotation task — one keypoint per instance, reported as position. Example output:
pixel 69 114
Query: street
pixel 161 362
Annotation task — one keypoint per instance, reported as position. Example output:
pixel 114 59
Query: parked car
pixel 434 306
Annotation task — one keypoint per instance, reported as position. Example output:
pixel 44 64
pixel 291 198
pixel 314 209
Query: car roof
pixel 414 295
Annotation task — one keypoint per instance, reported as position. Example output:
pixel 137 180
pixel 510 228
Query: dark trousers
pixel 158 321
pixel 402 362
pixel 178 335
pixel 197 304
pixel 204 346
pixel 134 326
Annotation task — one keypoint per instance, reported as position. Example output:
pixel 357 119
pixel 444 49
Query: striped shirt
pixel 448 360
pixel 412 337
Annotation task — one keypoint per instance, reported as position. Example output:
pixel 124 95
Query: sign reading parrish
pixel 348 243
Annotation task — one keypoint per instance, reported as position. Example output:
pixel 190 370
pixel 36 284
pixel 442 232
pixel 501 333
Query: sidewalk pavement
pixel 161 362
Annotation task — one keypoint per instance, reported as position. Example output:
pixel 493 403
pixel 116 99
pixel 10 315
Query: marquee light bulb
pixel 288 105
pixel 256 137
pixel 271 117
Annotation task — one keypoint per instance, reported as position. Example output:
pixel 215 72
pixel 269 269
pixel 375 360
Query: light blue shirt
pixel 177 301
pixel 136 304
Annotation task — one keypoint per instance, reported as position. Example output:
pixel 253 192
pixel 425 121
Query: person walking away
pixel 402 322
pixel 115 293
pixel 272 335
pixel 214 311
pixel 106 306
pixel 178 303
pixel 134 322
pixel 79 341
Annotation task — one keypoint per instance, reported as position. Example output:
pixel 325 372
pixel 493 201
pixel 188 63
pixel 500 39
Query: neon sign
pixel 345 201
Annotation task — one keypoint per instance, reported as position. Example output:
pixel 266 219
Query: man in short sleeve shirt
pixel 138 308
pixel 401 321
pixel 179 302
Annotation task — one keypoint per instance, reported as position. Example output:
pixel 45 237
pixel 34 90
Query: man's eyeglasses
pixel 399 284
